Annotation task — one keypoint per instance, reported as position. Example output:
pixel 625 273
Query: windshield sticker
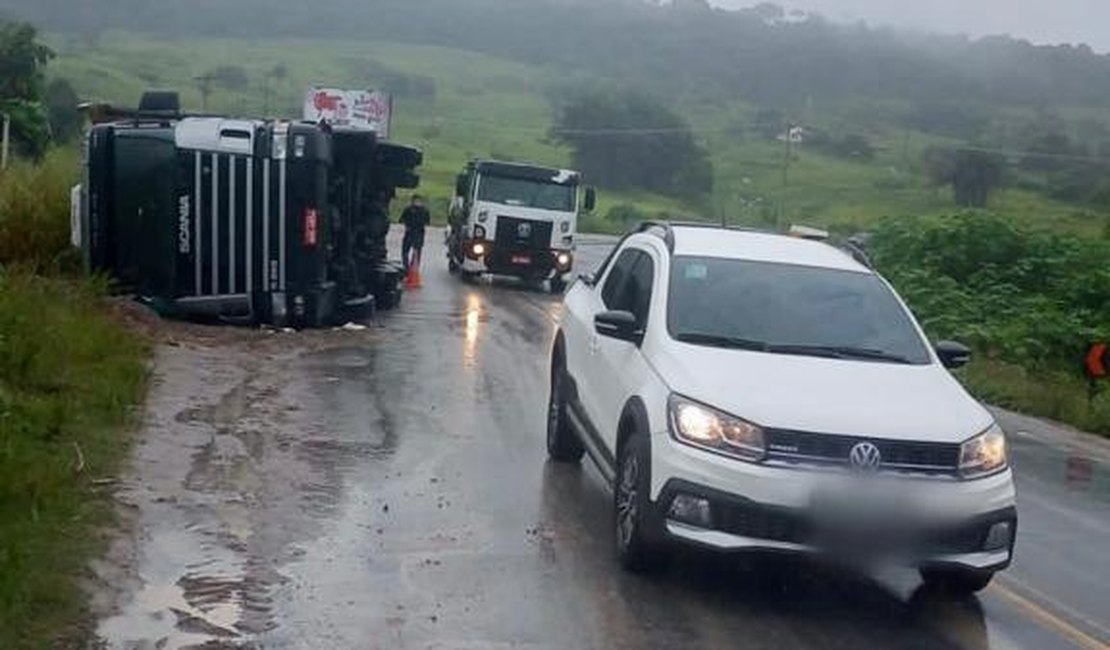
pixel 697 272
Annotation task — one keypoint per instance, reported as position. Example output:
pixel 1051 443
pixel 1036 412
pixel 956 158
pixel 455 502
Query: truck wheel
pixel 563 445
pixel 957 582
pixel 558 286
pixel 453 265
pixel 639 547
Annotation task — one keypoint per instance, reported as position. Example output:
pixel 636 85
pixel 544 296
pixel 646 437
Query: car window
pixel 639 287
pixel 629 286
pixel 612 294
pixel 785 307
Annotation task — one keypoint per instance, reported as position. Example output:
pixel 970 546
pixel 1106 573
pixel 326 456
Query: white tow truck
pixel 517 220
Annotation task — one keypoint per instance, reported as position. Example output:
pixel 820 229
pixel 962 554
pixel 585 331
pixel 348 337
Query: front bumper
pixel 759 507
pixel 738 524
pixel 497 260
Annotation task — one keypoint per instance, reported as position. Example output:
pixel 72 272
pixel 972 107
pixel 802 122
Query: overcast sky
pixel 1041 21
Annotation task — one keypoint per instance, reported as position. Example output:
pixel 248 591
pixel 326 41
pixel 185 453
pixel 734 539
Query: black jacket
pixel 416 219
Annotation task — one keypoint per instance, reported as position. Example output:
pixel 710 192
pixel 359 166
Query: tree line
pixel 764 53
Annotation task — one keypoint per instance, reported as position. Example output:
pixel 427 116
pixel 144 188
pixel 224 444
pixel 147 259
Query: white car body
pixel 887 403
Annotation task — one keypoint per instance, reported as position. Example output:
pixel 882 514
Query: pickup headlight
pixel 985 454
pixel 701 426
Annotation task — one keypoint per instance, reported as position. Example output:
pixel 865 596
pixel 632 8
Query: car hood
pixel 846 397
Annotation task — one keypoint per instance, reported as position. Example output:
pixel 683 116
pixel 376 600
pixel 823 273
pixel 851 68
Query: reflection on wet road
pixel 389 489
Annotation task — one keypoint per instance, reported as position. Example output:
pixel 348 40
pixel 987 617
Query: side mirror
pixel 619 325
pixel 953 355
pixel 591 199
pixel 588 279
pixel 462 185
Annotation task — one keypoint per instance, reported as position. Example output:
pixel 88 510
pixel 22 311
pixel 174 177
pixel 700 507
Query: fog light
pixel 999 537
pixel 692 510
pixel 479 250
pixel 563 260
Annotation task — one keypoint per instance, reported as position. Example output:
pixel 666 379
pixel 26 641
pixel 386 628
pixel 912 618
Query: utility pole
pixel 788 136
pixel 7 137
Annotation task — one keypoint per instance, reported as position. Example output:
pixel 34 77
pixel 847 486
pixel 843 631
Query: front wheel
pixel 638 548
pixel 558 286
pixel 563 445
pixel 958 582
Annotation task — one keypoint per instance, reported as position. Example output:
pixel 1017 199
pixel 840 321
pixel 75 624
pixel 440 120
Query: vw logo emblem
pixel 524 230
pixel 865 456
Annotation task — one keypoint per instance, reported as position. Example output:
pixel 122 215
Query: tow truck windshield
pixel 527 193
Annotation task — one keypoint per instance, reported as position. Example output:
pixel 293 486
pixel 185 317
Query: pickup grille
pixel 897 455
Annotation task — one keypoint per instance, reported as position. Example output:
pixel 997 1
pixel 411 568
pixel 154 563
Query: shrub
pixel 34 212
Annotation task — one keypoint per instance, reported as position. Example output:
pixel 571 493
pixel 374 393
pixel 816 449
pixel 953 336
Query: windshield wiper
pixel 839 352
pixel 722 341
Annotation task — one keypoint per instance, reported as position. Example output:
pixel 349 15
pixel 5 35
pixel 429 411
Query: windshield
pixel 527 194
pixel 789 309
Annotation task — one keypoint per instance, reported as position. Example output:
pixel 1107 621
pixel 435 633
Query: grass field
pixel 460 105
pixel 69 377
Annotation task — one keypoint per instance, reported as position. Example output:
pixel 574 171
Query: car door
pixel 583 303
pixel 618 367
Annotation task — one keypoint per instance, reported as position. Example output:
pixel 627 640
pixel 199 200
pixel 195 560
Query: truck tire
pixel 563 445
pixel 640 548
pixel 558 286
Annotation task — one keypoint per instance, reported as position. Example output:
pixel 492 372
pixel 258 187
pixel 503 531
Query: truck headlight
pixel 563 260
pixel 479 232
pixel 985 454
pixel 701 426
pixel 564 227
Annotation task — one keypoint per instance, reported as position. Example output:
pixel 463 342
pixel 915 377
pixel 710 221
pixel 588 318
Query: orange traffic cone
pixel 413 279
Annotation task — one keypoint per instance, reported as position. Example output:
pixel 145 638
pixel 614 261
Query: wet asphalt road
pixel 388 488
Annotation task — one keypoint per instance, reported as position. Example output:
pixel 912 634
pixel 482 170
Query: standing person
pixel 416 219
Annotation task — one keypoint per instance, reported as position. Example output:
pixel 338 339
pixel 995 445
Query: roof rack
pixel 667 227
pixel 664 229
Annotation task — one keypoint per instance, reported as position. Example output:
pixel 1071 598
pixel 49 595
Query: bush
pixel 1031 298
pixel 34 212
pixel 626 214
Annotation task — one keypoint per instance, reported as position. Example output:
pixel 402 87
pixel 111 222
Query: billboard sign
pixel 360 109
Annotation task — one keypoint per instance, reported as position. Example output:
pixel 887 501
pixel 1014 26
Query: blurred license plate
pixel 864 506
pixel 522 259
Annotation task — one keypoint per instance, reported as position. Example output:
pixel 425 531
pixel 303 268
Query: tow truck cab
pixel 517 220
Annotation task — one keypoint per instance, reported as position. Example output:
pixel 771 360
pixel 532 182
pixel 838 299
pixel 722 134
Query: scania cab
pixel 516 220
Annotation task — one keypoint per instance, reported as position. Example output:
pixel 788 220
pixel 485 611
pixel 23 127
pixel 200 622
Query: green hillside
pixel 457 105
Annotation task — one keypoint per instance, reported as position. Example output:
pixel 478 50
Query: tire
pixel 640 548
pixel 558 286
pixel 563 445
pixel 957 582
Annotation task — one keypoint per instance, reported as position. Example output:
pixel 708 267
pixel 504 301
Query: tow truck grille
pixel 523 234
pixel 897 455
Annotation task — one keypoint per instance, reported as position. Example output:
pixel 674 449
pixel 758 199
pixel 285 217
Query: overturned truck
pixel 244 221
